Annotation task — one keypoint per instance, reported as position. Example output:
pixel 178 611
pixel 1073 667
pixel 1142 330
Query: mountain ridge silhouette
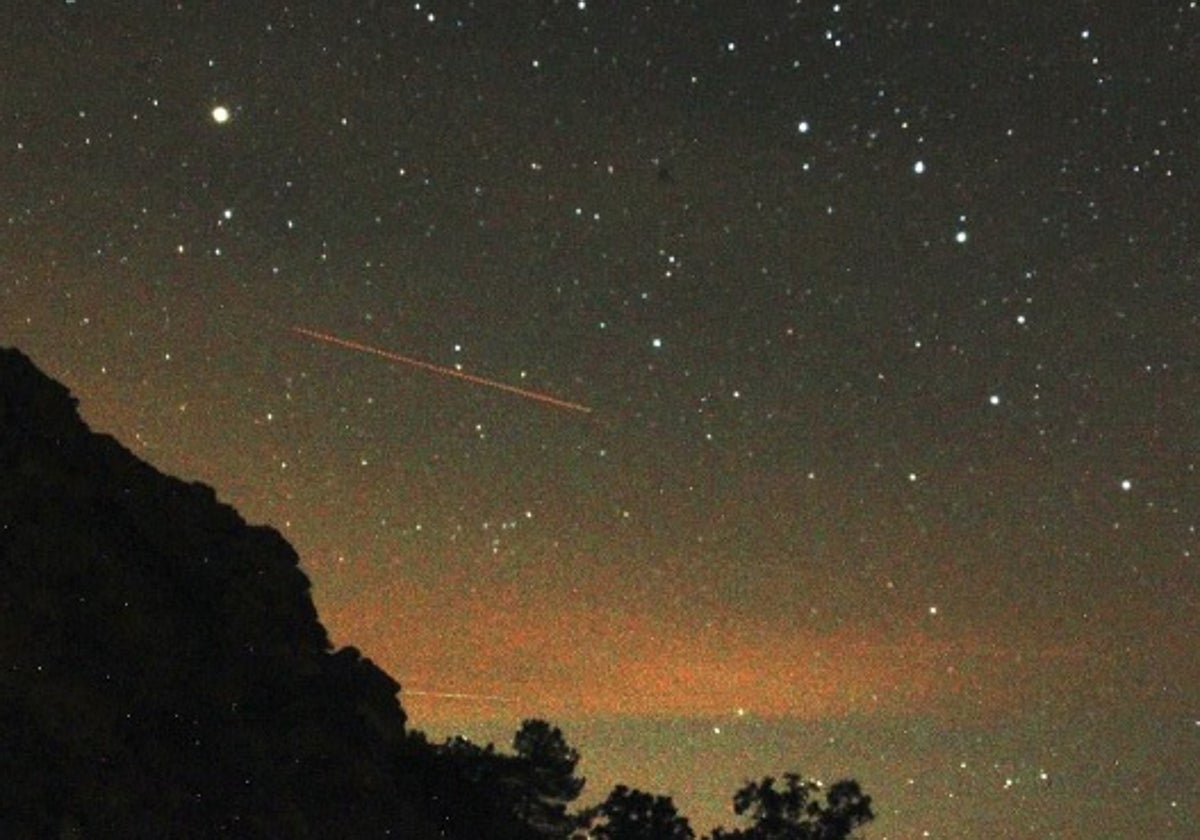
pixel 163 670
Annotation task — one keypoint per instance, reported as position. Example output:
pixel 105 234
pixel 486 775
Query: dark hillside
pixel 162 668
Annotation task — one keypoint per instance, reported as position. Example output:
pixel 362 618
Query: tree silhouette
pixel 631 814
pixel 791 813
pixel 470 791
pixel 543 778
pixel 846 808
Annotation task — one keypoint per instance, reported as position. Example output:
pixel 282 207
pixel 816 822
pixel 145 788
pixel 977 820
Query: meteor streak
pixel 457 695
pixel 546 399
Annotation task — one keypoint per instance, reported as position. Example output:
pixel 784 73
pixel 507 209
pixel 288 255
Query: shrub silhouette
pixel 630 814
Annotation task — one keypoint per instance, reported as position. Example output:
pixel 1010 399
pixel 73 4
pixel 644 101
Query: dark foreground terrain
pixel 163 674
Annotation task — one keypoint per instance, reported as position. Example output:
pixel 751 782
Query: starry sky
pixel 873 327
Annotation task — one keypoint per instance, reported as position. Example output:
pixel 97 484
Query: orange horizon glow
pixel 496 657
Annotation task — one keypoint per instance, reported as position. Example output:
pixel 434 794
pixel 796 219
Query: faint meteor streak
pixel 546 399
pixel 457 695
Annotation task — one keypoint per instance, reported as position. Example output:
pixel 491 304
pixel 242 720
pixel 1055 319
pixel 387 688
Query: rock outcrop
pixel 163 672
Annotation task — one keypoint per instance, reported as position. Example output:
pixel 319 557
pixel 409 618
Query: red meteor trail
pixel 444 371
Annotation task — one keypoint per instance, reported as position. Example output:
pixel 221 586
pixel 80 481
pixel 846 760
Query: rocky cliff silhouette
pixel 163 672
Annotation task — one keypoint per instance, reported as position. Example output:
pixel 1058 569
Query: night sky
pixel 873 330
